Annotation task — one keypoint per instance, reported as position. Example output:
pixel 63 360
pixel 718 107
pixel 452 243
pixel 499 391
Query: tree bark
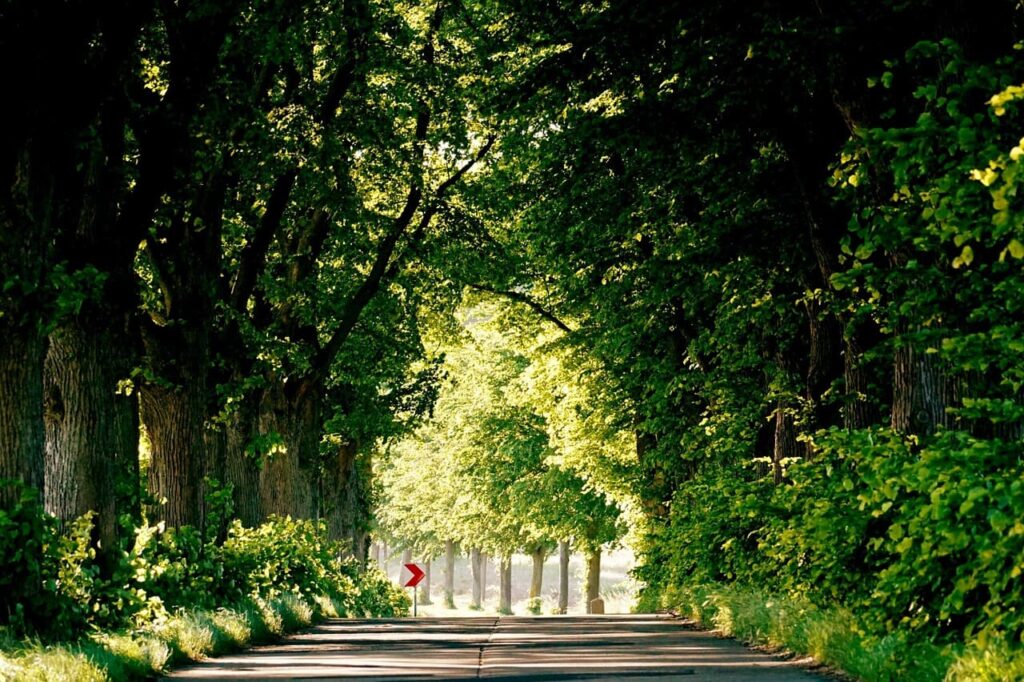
pixel 858 410
pixel 593 582
pixel 449 574
pixel 338 499
pixel 824 364
pixel 426 583
pixel 785 444
pixel 476 565
pixel 288 479
pixel 537 578
pixel 174 419
pixel 90 449
pixel 918 390
pixel 563 577
pixel 241 463
pixel 483 578
pixel 22 438
pixel 505 603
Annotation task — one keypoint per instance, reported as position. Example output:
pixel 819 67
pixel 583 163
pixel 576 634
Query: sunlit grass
pixel 833 637
pixel 189 635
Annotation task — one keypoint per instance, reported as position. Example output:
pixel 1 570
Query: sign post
pixel 417 576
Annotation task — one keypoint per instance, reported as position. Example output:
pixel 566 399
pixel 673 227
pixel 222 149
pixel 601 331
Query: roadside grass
pixel 833 638
pixel 186 636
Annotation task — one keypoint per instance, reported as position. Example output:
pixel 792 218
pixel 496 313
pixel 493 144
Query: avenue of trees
pixel 485 476
pixel 748 277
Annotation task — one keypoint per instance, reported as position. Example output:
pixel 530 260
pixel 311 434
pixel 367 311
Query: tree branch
pixel 525 300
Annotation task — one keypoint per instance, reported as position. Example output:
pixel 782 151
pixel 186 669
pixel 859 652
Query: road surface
pixel 509 649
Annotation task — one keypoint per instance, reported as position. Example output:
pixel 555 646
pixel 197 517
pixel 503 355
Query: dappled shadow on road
pixel 509 649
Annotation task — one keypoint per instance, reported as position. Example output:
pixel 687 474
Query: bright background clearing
pixel 617 588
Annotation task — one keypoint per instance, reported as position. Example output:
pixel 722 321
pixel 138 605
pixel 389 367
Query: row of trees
pixel 480 567
pixel 791 233
pixel 485 472
pixel 219 218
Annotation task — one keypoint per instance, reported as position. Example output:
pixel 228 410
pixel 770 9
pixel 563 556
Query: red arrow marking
pixel 417 575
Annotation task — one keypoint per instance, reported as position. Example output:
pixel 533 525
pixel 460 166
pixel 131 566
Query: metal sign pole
pixel 415 599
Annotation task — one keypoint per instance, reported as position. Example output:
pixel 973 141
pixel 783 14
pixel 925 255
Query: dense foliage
pixel 160 573
pixel 485 470
pixel 759 267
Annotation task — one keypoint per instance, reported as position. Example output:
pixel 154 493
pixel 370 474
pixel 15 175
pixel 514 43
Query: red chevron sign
pixel 417 575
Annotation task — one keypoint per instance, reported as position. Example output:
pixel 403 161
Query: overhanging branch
pixel 525 300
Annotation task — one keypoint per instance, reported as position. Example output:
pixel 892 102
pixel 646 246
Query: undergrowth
pixel 836 638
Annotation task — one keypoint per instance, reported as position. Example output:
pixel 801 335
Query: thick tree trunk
pixel 174 419
pixel 90 449
pixel 288 479
pixel 918 391
pixel 425 600
pixel 563 577
pixel 406 557
pixel 21 408
pixel 505 603
pixel 593 582
pixel 537 578
pixel 476 565
pixel 449 574
pixel 241 463
pixel 340 498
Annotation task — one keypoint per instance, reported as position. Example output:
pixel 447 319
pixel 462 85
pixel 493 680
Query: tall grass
pixel 189 635
pixel 834 638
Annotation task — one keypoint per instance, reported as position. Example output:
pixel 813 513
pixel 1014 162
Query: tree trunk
pixel 918 390
pixel 174 419
pixel 288 479
pixel 505 603
pixel 483 578
pixel 449 574
pixel 786 444
pixel 90 449
pixel 241 463
pixel 823 366
pixel 426 583
pixel 22 435
pixel 563 577
pixel 476 565
pixel 343 502
pixel 858 409
pixel 537 579
pixel 593 576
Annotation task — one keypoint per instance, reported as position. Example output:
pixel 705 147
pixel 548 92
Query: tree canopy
pixel 743 278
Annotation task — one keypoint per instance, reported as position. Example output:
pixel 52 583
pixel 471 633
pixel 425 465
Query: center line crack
pixel 480 659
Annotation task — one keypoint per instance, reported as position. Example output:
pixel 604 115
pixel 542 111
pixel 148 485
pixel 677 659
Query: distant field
pixel 617 588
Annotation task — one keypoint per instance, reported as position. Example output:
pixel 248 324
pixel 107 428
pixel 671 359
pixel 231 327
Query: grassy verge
pixel 834 638
pixel 187 636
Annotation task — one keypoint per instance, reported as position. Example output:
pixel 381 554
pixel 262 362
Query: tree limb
pixel 525 300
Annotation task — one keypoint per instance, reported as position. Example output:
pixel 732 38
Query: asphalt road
pixel 557 648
